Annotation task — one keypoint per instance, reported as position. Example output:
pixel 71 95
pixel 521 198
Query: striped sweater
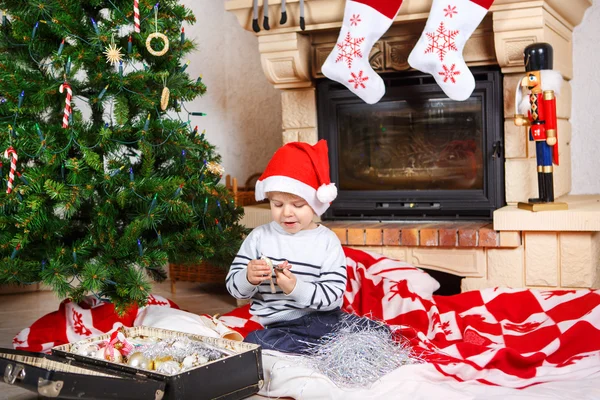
pixel 317 261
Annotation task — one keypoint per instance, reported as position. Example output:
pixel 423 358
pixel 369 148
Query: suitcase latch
pixel 14 372
pixel 49 388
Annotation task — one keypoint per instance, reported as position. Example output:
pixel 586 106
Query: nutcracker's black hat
pixel 538 56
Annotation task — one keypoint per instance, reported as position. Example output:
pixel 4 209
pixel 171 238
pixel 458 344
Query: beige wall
pixel 586 98
pixel 244 110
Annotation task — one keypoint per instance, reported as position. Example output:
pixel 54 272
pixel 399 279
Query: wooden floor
pixel 18 311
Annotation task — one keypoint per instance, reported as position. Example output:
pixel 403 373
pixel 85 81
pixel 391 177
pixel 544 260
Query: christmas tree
pixel 104 179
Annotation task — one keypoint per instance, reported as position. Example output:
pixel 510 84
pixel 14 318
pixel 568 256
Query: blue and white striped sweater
pixel 317 260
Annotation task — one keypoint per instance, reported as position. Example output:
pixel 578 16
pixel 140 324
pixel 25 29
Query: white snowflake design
pixel 358 80
pixel 450 11
pixel 449 73
pixel 349 49
pixel 355 20
pixel 441 41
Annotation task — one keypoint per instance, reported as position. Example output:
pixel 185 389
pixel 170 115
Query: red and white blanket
pixel 77 321
pixel 506 337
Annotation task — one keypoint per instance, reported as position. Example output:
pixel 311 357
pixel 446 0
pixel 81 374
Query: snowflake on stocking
pixel 358 80
pixel 349 49
pixel 449 73
pixel 450 11
pixel 355 20
pixel 441 41
pixel 153 301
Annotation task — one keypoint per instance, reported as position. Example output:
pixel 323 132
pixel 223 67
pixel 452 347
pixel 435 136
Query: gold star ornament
pixel 113 54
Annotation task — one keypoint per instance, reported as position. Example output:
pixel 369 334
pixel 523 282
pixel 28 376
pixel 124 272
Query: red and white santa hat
pixel 301 169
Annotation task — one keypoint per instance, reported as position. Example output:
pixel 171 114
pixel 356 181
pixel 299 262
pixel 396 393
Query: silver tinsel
pixel 356 355
pixel 179 348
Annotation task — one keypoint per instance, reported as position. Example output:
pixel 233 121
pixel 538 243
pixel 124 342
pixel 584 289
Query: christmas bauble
pixel 139 360
pixel 89 350
pixel 169 368
pixel 158 361
pixel 105 355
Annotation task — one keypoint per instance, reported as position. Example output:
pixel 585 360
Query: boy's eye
pixel 299 205
pixel 277 204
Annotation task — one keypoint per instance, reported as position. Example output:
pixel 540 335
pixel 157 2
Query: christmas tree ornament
pixel 109 354
pixel 138 360
pixel 164 97
pixel 439 49
pixel 113 53
pixel 365 21
pixel 136 16
pixel 215 168
pixel 67 110
pixel 158 35
pixel 11 154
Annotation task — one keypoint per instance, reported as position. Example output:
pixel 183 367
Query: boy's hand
pixel 258 271
pixel 285 279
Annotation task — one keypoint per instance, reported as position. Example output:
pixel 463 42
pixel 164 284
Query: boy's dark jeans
pixel 301 334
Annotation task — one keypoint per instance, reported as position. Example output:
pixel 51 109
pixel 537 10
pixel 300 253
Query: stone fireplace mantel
pixel 541 254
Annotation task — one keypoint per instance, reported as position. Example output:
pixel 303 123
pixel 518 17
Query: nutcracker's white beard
pixel 551 80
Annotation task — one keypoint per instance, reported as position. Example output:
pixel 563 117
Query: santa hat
pixel 301 169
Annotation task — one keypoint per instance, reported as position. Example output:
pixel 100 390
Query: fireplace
pixel 416 154
pixel 517 248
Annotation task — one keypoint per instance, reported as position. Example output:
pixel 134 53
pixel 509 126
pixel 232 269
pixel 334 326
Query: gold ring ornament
pixel 165 40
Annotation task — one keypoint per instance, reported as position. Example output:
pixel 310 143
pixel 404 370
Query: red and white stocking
pixel 365 21
pixel 439 49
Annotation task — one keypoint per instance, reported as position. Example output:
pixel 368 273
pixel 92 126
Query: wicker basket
pixel 243 195
pixel 203 272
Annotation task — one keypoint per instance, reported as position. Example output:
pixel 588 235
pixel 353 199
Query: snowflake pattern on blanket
pixel 506 337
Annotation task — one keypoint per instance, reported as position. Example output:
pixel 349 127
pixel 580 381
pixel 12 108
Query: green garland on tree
pixel 110 182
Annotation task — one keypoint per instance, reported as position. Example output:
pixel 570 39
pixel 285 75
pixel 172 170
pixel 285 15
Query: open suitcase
pixel 72 376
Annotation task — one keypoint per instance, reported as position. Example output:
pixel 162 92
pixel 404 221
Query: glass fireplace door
pixel 415 154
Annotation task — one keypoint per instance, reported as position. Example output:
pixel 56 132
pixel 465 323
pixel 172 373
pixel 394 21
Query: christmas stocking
pixel 439 49
pixel 365 21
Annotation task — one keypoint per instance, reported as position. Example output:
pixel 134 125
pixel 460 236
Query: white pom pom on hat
pixel 301 169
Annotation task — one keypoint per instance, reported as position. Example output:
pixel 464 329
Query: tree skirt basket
pixel 203 272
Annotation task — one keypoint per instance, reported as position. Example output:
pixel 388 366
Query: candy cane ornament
pixel 136 16
pixel 67 87
pixel 11 153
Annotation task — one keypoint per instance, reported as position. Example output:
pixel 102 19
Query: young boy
pixel 309 263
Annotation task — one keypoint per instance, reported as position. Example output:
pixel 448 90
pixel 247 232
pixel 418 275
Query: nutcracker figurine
pixel 537 111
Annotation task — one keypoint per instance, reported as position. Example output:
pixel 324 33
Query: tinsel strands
pixel 12 154
pixel 136 16
pixel 67 112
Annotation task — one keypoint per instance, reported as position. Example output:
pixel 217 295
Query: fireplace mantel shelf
pixel 583 215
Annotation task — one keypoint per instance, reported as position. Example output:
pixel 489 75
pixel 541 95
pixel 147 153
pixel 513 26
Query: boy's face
pixel 291 212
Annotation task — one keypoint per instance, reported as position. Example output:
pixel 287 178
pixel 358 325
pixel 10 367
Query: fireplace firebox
pixel 415 154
